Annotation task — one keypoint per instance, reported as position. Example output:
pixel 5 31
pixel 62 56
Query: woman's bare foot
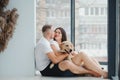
pixel 94 74
pixel 105 75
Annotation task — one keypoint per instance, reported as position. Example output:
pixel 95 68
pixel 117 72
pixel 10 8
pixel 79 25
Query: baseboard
pixel 115 78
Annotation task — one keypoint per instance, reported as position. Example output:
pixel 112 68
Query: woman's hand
pixel 74 53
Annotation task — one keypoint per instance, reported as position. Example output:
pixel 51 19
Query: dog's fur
pixel 8 21
pixel 65 47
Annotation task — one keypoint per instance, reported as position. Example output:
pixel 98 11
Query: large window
pixel 90 23
pixel 88 28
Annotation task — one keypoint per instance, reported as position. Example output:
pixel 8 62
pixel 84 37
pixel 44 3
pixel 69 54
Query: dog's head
pixel 66 46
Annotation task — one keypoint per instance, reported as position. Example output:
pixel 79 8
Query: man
pixel 44 54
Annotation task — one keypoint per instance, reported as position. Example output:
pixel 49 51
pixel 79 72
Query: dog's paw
pixel 51 66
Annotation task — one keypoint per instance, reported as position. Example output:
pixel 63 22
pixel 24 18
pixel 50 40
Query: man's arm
pixel 57 53
pixel 55 59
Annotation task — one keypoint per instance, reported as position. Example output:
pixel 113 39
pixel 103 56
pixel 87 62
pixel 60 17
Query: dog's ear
pixel 63 42
pixel 61 45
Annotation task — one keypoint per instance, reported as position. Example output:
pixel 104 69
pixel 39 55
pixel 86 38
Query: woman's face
pixel 57 35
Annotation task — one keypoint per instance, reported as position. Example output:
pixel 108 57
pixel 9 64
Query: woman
pixel 81 63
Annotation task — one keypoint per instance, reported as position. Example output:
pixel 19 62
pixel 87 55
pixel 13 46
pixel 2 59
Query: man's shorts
pixel 56 72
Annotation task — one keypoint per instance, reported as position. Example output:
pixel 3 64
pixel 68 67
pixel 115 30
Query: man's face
pixel 51 33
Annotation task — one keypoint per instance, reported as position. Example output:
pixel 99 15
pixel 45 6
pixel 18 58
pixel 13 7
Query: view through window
pixel 90 23
pixel 53 12
pixel 91 28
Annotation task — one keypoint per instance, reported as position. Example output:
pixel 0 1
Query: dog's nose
pixel 70 50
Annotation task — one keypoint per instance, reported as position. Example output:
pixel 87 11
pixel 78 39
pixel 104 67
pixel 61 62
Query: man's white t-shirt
pixel 52 42
pixel 42 48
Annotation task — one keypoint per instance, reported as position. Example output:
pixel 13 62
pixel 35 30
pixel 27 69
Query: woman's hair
pixel 64 36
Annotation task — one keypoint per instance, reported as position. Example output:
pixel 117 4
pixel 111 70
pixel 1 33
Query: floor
pixel 39 77
pixel 53 78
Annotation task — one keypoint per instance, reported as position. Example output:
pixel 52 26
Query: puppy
pixel 65 47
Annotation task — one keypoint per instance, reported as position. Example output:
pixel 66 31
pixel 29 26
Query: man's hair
pixel 46 27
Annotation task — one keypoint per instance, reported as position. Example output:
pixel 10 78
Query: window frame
pixel 111 35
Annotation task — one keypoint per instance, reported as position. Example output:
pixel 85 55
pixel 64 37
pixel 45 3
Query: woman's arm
pixel 56 59
pixel 74 53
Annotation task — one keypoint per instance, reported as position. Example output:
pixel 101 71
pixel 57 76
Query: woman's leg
pixel 88 63
pixel 94 60
pixel 68 65
pixel 97 63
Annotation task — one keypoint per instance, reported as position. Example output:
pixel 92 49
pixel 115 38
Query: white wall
pixel 18 58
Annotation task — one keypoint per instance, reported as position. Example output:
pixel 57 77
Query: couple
pixel 46 53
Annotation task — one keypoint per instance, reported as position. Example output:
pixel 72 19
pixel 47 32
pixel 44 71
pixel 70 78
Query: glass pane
pixel 91 28
pixel 53 12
